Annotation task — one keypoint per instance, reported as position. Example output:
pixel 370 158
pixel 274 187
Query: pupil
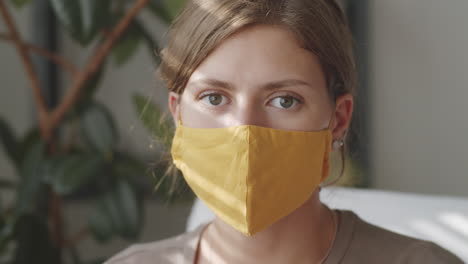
pixel 286 102
pixel 215 99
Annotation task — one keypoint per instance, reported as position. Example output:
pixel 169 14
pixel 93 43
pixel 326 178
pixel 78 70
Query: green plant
pixel 72 149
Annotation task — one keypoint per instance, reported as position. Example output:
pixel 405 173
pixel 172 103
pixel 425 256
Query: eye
pixel 213 99
pixel 285 102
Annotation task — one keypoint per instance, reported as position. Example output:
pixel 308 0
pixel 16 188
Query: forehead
pixel 260 54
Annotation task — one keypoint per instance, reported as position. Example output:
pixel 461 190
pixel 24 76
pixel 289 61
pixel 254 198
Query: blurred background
pixel 95 174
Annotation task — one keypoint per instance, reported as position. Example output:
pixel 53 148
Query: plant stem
pixel 49 121
pixel 33 78
pixel 56 219
pixel 57 59
pixel 95 62
pixel 80 80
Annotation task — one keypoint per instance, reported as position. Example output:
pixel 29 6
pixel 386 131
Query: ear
pixel 343 114
pixel 174 105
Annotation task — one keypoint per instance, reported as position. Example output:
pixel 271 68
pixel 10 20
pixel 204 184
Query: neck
pixel 304 236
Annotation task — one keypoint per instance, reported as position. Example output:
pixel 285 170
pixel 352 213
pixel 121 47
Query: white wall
pixel 419 77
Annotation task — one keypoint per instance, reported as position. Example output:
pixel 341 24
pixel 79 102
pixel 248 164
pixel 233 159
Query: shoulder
pixel 175 249
pixel 374 243
pixel 421 251
pixel 158 252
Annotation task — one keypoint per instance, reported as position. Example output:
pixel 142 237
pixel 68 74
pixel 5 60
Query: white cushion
pixel 442 219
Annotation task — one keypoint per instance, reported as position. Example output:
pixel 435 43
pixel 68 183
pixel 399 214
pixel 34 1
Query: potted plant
pixel 73 149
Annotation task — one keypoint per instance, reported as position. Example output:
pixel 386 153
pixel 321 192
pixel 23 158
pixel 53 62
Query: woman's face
pixel 259 76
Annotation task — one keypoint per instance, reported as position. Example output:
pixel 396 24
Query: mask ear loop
pixel 331 120
pixel 326 161
pixel 179 118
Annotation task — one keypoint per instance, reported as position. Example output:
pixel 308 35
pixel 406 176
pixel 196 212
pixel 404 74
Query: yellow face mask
pixel 252 176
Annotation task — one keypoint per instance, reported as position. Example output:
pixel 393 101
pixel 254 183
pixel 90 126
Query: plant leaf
pixel 126 203
pixel 160 10
pixel 71 172
pixel 20 3
pixel 127 45
pixel 34 242
pixel 119 212
pixel 97 261
pixel 150 43
pixel 93 83
pixel 6 184
pixel 95 14
pixel 31 138
pixel 32 176
pixel 171 188
pixel 126 166
pixel 83 19
pixel 100 225
pixel 7 230
pixel 69 13
pixel 86 98
pixel 151 116
pixel 174 6
pixel 99 128
pixel 74 256
pixel 10 143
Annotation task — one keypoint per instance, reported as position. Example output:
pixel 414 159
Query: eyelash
pixel 295 97
pixel 205 94
pixel 285 94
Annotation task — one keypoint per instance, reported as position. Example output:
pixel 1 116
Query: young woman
pixel 262 92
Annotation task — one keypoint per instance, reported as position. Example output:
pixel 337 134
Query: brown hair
pixel 319 25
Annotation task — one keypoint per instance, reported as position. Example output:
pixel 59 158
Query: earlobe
pixel 173 103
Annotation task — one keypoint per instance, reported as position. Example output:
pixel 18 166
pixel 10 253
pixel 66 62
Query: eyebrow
pixel 268 86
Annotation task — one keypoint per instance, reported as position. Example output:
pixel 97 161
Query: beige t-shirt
pixel 356 242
